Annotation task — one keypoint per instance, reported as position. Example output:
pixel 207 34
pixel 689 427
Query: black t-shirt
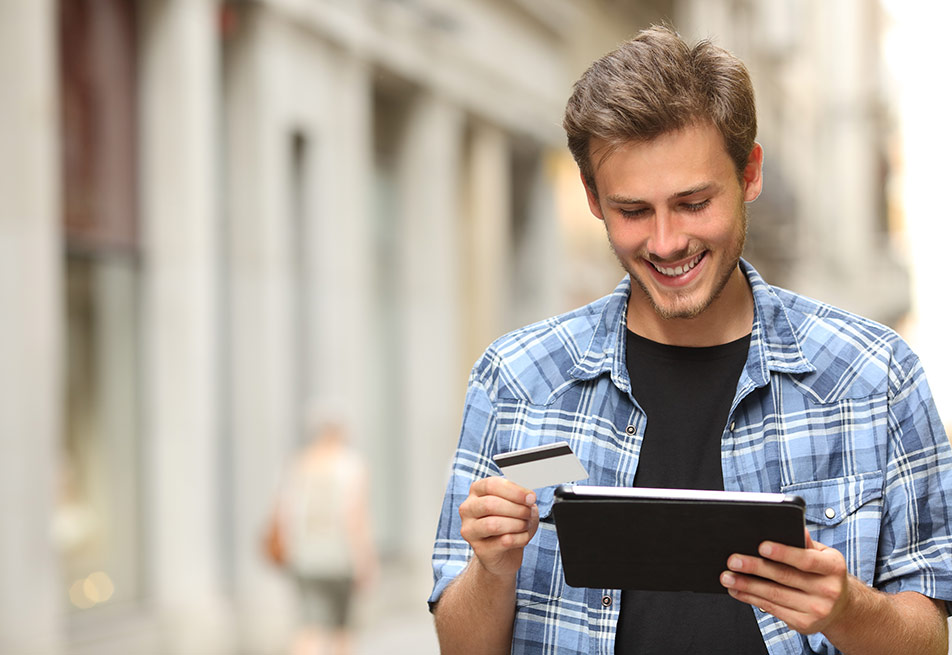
pixel 686 394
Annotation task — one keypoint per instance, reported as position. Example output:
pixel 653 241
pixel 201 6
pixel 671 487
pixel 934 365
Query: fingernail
pixel 766 549
pixel 728 580
pixel 530 499
pixel 736 563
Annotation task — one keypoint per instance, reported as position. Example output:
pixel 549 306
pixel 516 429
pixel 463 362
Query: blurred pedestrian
pixel 320 534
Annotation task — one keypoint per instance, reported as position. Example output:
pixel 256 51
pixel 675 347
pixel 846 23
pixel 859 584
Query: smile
pixel 678 270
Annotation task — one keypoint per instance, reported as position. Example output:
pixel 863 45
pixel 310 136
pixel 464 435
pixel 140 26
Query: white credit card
pixel 541 466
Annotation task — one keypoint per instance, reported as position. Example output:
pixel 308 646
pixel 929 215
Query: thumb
pixel 809 543
pixel 534 521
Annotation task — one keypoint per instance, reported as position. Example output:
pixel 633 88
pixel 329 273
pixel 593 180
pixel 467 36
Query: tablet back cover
pixel 665 544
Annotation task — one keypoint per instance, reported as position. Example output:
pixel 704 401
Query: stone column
pixel 537 270
pixel 430 271
pixel 261 335
pixel 342 303
pixel 488 243
pixel 31 595
pixel 845 66
pixel 180 228
pixel 543 243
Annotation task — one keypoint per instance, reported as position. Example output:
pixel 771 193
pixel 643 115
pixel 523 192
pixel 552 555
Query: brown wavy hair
pixel 653 84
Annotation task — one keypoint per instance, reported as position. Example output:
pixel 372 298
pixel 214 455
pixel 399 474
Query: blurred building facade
pixel 217 213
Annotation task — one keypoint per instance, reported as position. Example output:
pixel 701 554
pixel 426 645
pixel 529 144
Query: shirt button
pixel 830 512
pixel 630 430
pixel 732 425
pixel 607 601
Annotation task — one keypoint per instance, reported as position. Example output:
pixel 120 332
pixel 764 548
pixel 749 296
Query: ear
pixel 753 173
pixel 593 204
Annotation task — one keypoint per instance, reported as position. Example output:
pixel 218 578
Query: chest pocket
pixel 540 578
pixel 846 514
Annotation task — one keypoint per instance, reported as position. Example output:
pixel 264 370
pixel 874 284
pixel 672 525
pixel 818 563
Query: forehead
pixel 669 163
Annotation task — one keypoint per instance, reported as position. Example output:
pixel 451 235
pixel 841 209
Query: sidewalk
pixel 396 620
pixel 406 634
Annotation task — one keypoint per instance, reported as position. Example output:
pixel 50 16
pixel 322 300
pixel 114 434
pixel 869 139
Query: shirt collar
pixel 606 350
pixel 774 346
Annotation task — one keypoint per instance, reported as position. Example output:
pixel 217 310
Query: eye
pixel 633 213
pixel 697 206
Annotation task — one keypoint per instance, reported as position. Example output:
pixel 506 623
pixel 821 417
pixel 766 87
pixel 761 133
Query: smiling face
pixel 674 211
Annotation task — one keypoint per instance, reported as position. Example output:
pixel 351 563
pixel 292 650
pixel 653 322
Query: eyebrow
pixel 626 200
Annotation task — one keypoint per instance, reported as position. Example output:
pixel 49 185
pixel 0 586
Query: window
pixel 98 522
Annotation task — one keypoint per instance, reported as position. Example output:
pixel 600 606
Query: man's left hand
pixel 806 588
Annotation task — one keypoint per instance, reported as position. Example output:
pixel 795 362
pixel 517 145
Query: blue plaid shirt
pixel 830 406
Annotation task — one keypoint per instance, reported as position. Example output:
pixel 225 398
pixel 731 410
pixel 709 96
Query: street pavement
pixel 399 634
pixel 394 619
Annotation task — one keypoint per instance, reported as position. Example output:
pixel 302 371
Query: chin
pixel 680 311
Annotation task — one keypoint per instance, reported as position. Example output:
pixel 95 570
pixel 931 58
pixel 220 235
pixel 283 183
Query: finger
pixel 520 539
pixel 508 541
pixel 781 583
pixel 498 486
pixel 533 521
pixel 792 616
pixel 807 539
pixel 763 587
pixel 493 526
pixel 817 560
pixel 767 570
pixel 478 507
pixel 787 585
pixel 802 612
pixel 790 604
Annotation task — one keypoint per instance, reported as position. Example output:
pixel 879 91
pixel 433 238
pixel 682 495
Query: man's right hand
pixel 499 519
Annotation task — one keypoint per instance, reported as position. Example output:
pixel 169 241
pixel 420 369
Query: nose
pixel 667 242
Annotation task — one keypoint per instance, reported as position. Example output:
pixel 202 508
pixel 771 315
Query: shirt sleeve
pixel 471 462
pixel 915 552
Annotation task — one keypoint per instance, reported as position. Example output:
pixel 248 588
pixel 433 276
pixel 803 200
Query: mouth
pixel 677 271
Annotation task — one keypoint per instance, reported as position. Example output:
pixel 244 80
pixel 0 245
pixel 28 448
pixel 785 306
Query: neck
pixel 729 317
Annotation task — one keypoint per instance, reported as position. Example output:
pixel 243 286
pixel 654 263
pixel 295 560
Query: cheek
pixel 626 236
pixel 725 231
pixel 624 248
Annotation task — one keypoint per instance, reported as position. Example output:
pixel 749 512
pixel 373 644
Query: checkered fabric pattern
pixel 830 406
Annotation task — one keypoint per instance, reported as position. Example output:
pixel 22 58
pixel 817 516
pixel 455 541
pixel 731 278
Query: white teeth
pixel 679 270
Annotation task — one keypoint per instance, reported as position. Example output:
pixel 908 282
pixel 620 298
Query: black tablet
pixel 666 539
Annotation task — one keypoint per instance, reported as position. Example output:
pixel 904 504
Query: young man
pixel 695 373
